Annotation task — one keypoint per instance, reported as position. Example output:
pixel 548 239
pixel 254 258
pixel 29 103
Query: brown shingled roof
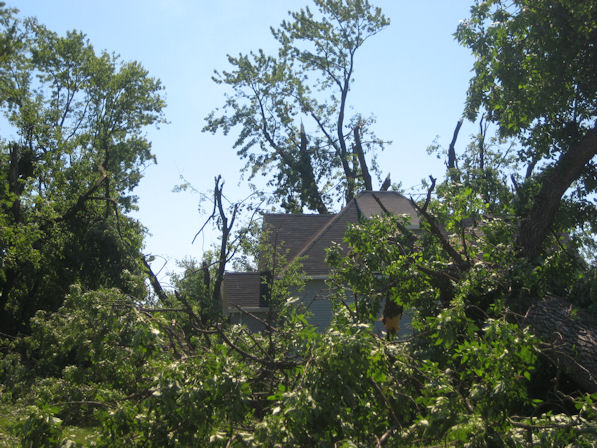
pixel 309 236
pixel 314 251
pixel 373 203
pixel 366 204
pixel 291 233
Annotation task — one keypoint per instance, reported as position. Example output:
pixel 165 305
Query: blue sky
pixel 412 77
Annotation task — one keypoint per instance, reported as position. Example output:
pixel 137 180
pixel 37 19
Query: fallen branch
pixel 258 319
pixel 155 283
pixel 386 402
pixel 438 231
pixel 451 149
pixel 247 355
pixel 575 331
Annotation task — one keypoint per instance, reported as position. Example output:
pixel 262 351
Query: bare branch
pixel 155 283
pixel 362 162
pixel 258 319
pixel 451 149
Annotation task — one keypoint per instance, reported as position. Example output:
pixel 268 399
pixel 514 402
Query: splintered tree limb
pixel 155 283
pixel 362 162
pixel 429 191
pixel 225 229
pixel 348 172
pixel 305 169
pixel 302 166
pixel 224 255
pixel 451 149
pixel 387 183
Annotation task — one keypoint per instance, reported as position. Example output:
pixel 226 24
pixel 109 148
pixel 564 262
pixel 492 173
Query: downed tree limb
pixel 154 281
pixel 438 231
pixel 573 334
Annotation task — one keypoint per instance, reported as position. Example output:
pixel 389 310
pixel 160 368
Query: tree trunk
pixel 572 336
pixel 309 188
pixel 554 183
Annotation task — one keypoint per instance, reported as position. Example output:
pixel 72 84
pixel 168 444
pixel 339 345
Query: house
pixel 307 236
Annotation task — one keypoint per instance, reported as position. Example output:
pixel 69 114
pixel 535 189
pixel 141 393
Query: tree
pixel 536 78
pixel 73 152
pixel 292 108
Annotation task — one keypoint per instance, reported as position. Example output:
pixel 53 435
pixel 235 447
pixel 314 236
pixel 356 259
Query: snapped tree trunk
pixel 571 335
pixel 362 161
pixel 571 332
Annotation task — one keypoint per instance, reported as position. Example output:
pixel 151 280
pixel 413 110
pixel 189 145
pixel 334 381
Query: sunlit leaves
pixel 535 68
pixel 74 150
pixel 304 88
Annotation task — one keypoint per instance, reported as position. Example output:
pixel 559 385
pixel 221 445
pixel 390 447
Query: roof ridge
pixel 374 192
pixel 299 214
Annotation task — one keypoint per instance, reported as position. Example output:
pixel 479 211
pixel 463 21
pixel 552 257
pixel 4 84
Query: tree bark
pixel 155 282
pixel 555 182
pixel 362 161
pixel 310 193
pixel 572 337
pixel 452 148
pixel 225 229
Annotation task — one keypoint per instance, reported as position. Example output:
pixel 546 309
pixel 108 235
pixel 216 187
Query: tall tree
pixel 292 108
pixel 536 78
pixel 73 151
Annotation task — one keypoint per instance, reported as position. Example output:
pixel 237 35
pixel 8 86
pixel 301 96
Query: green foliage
pixel 190 402
pixel 336 401
pixel 195 284
pixel 379 266
pixel 292 108
pixel 73 151
pixel 471 373
pixel 470 366
pixel 40 429
pixel 535 78
pixel 535 69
